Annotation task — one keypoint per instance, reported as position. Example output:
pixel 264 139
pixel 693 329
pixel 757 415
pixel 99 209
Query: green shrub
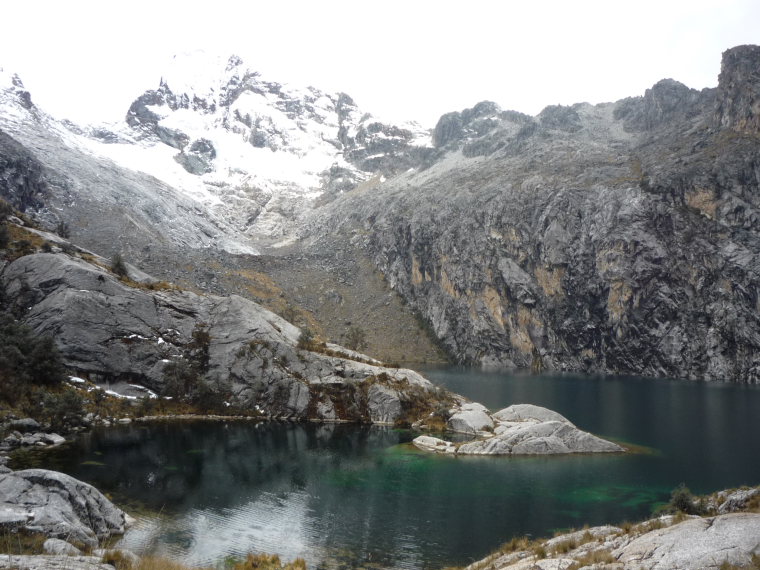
pixel 5 209
pixel 180 379
pixel 355 338
pixel 682 500
pixel 306 339
pixel 58 408
pixel 4 236
pixel 25 358
pixel 118 266
pixel 63 230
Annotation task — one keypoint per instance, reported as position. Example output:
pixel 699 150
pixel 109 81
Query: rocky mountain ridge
pixel 618 237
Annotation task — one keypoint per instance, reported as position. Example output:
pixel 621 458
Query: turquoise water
pixel 347 496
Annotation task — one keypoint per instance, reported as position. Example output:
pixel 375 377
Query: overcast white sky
pixel 405 59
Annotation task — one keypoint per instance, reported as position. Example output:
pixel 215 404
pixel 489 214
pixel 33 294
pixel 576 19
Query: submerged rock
pixel 59 506
pixel 521 429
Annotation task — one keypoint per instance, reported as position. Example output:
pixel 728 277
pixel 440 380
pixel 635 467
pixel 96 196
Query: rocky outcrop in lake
pixel 176 342
pixel 620 237
pixel 520 429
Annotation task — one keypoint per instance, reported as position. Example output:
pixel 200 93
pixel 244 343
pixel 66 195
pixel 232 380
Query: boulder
pixel 60 506
pixel 470 418
pixel 430 443
pixel 53 439
pixel 25 425
pixel 61 547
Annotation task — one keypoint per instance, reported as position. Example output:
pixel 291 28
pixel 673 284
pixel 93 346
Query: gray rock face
pixel 60 506
pixel 17 439
pixel 736 500
pixel 107 330
pixel 522 429
pixel 470 418
pixel 738 105
pixel 697 543
pixel 198 157
pixel 523 412
pixel 637 258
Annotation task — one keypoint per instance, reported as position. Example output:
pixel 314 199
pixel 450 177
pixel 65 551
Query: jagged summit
pixel 267 149
pixel 11 85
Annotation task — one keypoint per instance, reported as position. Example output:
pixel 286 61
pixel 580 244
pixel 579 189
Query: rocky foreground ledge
pixel 521 429
pixel 727 540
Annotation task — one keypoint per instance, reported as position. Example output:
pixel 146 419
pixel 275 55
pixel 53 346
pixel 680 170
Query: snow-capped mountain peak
pixel 253 153
pixel 267 149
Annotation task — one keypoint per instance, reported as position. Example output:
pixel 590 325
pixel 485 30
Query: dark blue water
pixel 346 496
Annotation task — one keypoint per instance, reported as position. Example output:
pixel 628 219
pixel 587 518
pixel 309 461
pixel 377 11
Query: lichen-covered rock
pixel 61 506
pixel 658 544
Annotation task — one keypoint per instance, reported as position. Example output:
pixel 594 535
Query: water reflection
pixel 348 496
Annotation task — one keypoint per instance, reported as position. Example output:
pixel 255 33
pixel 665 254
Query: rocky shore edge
pixel 77 518
pixel 724 537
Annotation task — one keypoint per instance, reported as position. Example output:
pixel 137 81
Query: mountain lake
pixel 345 496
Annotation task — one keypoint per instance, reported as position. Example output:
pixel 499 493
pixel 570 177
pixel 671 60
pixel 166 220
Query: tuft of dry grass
pixel 595 557
pixel 515 544
pixel 268 562
pixel 753 565
pixel 160 563
pixel 21 542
